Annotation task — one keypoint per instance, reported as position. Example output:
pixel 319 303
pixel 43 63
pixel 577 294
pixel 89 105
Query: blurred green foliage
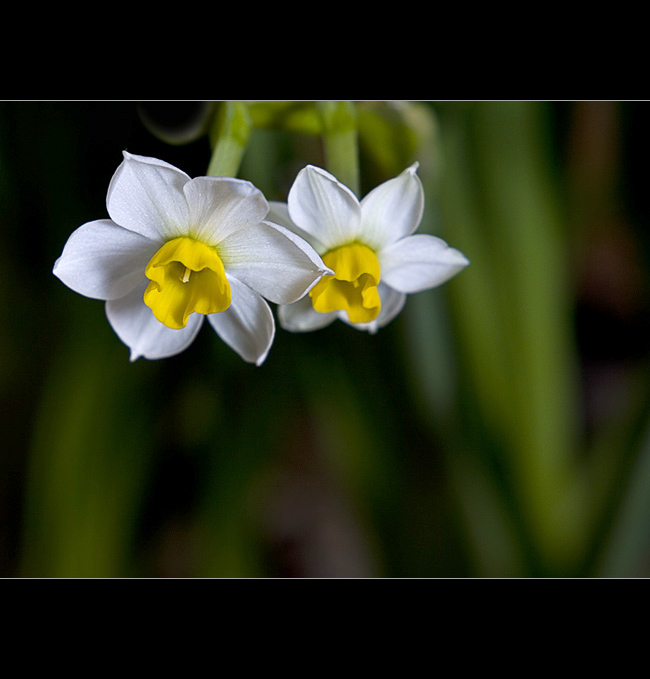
pixel 499 427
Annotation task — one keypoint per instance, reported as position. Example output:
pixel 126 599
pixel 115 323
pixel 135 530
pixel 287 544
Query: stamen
pixel 186 275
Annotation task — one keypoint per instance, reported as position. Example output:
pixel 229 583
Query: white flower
pixel 176 250
pixel 368 244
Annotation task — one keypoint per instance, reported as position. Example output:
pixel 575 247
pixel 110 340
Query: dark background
pixel 330 460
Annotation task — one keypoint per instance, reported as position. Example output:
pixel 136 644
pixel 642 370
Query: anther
pixel 186 275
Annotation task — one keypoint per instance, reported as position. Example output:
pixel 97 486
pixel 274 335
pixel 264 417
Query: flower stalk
pixel 229 137
pixel 340 140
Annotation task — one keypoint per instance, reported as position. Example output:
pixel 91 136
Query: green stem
pixel 229 136
pixel 340 139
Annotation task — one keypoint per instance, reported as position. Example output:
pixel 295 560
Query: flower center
pixel 353 287
pixel 186 276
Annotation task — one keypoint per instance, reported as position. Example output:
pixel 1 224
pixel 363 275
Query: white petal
pixel 279 214
pixel 392 303
pixel 419 262
pixel 220 206
pixel 247 326
pixel 272 261
pixel 138 328
pixel 146 196
pixel 324 208
pixel 392 210
pixel 104 261
pixel 301 317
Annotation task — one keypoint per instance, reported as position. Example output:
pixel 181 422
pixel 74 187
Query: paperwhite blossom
pixel 177 250
pixel 370 246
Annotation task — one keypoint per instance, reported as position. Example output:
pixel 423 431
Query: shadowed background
pixel 498 427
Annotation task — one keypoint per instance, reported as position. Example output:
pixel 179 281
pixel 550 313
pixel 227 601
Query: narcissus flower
pixel 369 245
pixel 177 250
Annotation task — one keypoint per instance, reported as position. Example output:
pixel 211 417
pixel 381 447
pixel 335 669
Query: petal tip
pixel 260 360
pixel 461 259
pixel 129 156
pixel 322 172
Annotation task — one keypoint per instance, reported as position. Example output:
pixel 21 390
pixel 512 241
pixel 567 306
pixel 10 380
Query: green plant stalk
pixel 473 295
pixel 89 461
pixel 626 546
pixel 299 117
pixel 512 307
pixel 229 137
pixel 536 304
pixel 340 140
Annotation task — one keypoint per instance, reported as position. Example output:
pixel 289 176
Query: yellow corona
pixel 353 287
pixel 187 276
